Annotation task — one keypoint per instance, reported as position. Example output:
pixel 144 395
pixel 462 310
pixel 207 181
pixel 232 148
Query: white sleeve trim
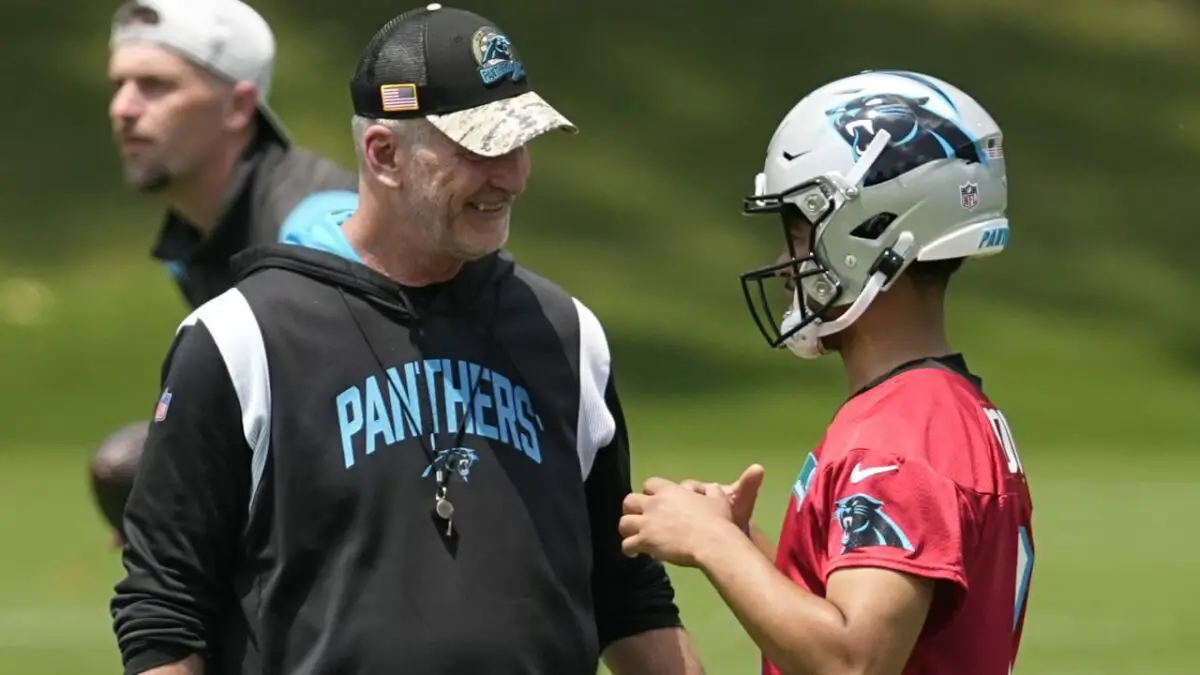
pixel 234 328
pixel 596 426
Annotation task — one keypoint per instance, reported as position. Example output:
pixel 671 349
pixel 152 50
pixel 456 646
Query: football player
pixel 907 545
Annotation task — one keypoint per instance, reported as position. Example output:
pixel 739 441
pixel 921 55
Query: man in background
pixel 190 117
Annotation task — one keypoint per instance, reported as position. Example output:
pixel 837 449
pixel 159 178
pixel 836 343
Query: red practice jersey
pixel 919 473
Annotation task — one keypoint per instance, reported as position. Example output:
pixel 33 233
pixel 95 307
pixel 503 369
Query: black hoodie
pixel 283 518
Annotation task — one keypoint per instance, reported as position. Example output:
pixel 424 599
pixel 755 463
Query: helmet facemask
pixel 816 286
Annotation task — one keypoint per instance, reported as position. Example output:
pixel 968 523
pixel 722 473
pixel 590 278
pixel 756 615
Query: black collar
pixel 955 363
pixel 464 291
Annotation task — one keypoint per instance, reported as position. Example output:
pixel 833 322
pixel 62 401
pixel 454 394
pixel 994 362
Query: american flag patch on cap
pixel 398 97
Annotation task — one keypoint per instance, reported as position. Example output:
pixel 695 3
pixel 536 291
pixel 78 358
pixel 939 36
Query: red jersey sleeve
pixel 896 513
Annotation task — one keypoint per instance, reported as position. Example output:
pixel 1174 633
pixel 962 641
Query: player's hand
pixel 672 523
pixel 742 493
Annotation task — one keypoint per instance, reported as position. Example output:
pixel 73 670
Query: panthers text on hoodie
pixel 284 519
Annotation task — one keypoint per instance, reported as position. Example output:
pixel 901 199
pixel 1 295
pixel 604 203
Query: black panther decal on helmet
pixel 918 135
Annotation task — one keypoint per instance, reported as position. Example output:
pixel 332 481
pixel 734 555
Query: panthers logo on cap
pixel 865 524
pixel 496 56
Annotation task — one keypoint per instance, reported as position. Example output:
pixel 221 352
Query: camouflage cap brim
pixel 499 127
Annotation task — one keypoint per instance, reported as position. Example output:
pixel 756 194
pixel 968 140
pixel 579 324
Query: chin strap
pixel 870 289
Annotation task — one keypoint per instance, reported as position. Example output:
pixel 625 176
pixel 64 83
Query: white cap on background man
pixel 225 37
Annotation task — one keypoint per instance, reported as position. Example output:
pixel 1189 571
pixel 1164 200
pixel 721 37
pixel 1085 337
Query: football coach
pixel 192 123
pixel 392 449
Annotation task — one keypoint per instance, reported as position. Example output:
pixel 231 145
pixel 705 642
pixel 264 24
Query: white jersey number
pixel 1005 437
pixel 1024 544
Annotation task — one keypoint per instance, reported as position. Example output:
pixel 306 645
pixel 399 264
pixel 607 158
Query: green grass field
pixel 1114 590
pixel 1100 412
pixel 1100 421
pixel 1085 332
pixel 1115 477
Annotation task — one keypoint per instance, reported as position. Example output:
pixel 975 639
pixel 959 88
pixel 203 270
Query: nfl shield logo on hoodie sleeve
pixel 164 402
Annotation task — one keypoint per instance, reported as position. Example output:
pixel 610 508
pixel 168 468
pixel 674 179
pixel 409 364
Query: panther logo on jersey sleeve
pixel 864 523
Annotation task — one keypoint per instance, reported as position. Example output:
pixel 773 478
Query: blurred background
pixel 1085 331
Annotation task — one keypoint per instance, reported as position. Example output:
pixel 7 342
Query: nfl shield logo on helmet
pixel 968 195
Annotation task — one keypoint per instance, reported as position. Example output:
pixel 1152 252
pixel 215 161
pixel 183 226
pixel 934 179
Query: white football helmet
pixel 890 167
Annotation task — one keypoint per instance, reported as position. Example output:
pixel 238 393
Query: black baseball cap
pixel 459 71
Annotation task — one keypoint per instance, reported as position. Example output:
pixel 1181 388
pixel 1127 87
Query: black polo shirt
pixel 270 181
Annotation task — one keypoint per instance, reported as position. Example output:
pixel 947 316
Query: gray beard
pixel 149 179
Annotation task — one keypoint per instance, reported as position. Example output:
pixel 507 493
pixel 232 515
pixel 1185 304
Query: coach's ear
pixel 242 107
pixel 385 155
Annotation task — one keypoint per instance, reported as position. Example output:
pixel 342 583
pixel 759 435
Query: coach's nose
pixel 126 104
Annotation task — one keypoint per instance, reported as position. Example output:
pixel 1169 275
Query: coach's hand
pixel 742 493
pixel 672 523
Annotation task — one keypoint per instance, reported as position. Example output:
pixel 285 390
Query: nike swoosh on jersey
pixel 859 474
